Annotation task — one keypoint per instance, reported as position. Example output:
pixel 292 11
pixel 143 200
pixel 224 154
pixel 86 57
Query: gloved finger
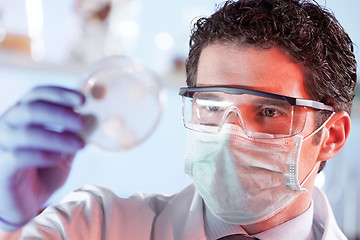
pixel 55 94
pixel 35 137
pixel 44 113
pixel 41 158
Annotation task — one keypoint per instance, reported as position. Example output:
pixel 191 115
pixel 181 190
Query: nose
pixel 233 116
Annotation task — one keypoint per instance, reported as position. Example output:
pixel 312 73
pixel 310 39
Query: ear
pixel 334 136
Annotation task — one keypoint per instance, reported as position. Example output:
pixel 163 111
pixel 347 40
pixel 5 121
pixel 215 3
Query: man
pixel 270 89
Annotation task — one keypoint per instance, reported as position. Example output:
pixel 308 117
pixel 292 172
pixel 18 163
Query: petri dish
pixel 127 100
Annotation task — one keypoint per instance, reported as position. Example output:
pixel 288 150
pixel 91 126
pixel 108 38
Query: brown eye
pixel 268 112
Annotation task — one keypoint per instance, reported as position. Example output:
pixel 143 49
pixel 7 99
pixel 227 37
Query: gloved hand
pixel 39 137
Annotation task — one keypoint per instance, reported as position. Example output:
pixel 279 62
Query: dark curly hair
pixel 303 29
pixel 309 33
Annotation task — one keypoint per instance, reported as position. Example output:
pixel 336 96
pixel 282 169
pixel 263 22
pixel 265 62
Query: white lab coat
pixel 97 213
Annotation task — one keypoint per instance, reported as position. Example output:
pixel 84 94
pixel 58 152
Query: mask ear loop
pixel 318 163
pixel 319 128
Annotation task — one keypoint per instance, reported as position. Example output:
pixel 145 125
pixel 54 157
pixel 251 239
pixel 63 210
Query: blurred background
pixel 48 42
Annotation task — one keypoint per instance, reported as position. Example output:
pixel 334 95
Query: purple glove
pixel 39 137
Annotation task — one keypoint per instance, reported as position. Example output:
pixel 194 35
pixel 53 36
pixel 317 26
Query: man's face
pixel 269 70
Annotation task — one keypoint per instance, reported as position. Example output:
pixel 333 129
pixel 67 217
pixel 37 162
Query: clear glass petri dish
pixel 127 100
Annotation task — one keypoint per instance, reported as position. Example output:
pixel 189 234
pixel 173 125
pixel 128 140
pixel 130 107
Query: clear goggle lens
pixel 259 117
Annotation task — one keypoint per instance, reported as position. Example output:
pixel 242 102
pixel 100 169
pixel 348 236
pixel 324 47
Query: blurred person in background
pixel 90 27
pixel 268 102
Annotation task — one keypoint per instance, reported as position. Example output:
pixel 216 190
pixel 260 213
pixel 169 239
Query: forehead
pixel 269 70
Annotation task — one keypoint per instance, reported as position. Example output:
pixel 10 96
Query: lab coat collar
pixel 324 223
pixel 182 218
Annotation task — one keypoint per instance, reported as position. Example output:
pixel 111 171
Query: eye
pixel 269 112
pixel 213 108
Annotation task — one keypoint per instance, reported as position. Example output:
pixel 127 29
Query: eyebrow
pixel 208 95
pixel 272 102
pixel 260 100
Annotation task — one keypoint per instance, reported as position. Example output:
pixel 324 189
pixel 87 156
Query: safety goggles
pixel 260 114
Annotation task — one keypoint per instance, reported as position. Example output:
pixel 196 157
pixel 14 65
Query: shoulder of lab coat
pixel 182 217
pixel 93 212
pixel 324 222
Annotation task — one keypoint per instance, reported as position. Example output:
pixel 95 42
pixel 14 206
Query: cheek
pixel 308 158
pixel 310 150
